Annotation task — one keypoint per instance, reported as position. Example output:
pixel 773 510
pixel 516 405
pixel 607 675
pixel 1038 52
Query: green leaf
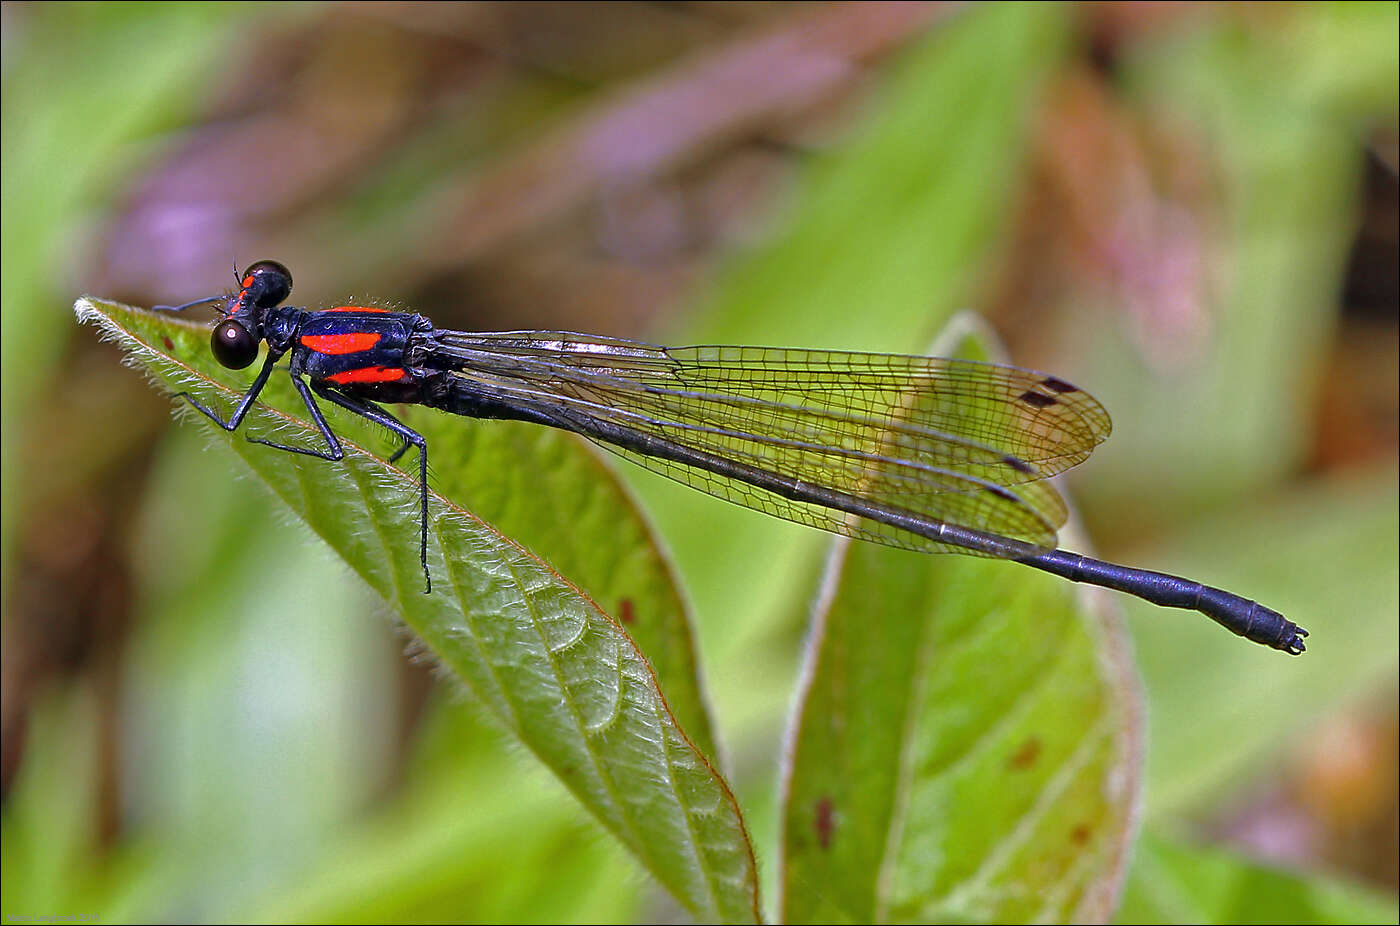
pixel 544 658
pixel 554 494
pixel 1173 882
pixel 967 746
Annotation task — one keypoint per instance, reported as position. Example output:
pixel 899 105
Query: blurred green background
pixel 1190 210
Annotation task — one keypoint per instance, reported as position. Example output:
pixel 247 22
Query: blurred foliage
pixel 204 718
pixel 1175 882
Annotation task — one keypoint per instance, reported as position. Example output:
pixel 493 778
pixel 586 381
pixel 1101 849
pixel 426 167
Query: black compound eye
pixel 269 282
pixel 233 345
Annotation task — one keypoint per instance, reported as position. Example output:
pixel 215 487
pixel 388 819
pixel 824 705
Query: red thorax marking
pixel 368 375
pixel 355 308
pixel 351 343
pixel 241 302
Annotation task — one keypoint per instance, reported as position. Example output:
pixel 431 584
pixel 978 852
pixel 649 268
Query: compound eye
pixel 233 345
pixel 271 283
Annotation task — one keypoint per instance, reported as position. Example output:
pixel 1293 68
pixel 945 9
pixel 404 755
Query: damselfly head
pixel 262 286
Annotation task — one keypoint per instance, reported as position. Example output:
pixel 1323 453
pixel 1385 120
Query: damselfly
pixel 924 453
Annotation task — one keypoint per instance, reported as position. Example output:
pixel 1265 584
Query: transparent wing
pixel 949 441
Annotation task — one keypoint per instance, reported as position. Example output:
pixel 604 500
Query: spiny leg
pixel 333 451
pixel 244 403
pixel 369 410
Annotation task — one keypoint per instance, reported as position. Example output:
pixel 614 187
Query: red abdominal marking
pixel 368 375
pixel 351 343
